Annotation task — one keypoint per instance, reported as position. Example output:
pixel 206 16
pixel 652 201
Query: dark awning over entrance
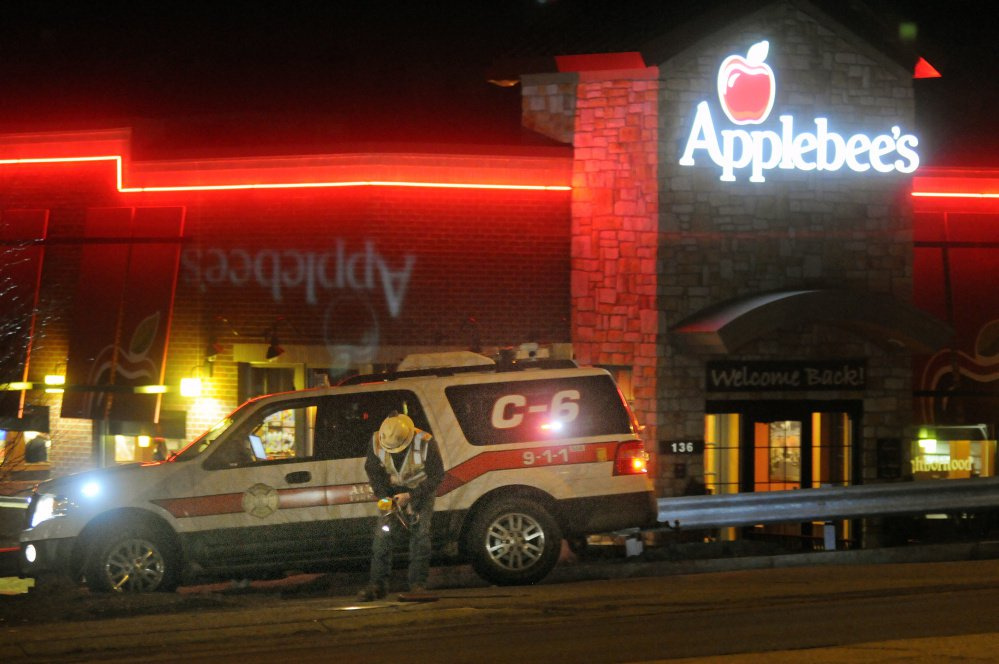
pixel 882 319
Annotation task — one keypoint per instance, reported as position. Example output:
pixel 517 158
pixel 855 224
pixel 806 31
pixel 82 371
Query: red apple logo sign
pixel 746 86
pixel 746 91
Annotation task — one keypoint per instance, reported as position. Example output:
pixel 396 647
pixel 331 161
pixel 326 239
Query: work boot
pixel 417 593
pixel 371 593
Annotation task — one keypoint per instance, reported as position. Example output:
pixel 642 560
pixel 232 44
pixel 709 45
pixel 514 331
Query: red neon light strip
pixel 274 185
pixel 944 194
pixel 358 183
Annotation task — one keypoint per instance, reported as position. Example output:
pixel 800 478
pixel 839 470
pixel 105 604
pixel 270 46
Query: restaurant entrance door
pixel 753 446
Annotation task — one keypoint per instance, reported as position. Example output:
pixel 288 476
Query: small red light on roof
pixel 600 61
pixel 924 69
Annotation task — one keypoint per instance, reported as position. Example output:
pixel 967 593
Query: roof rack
pixel 515 365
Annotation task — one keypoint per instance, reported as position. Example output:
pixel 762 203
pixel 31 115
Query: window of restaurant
pixel 130 449
pixel 753 446
pixel 721 452
pixel 256 380
pixel 124 441
pixel 18 448
pixel 953 452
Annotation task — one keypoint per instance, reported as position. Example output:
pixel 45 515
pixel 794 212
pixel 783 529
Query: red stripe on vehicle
pixel 541 456
pixel 449 484
pixel 313 496
pixel 320 495
pixel 232 503
pixel 224 503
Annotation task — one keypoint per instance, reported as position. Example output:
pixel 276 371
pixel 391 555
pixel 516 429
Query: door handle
pixel 298 477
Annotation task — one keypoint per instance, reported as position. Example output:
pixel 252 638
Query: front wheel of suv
pixel 132 558
pixel 514 542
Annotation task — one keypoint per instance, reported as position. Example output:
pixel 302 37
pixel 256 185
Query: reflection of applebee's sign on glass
pixel 746 89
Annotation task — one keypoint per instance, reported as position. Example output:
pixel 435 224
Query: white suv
pixel 532 456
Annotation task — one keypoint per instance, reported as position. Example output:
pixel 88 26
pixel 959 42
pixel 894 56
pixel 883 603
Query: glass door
pixel 777 452
pixel 753 446
pixel 833 435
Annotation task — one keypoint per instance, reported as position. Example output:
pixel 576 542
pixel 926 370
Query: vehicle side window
pixel 278 433
pixel 346 422
pixel 550 409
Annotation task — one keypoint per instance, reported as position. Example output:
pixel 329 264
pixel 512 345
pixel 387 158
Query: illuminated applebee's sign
pixel 746 89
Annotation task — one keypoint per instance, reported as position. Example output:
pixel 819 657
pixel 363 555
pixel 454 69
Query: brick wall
pixel 377 269
pixel 486 267
pixel 65 190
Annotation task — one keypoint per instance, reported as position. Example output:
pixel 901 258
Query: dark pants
pixel 419 547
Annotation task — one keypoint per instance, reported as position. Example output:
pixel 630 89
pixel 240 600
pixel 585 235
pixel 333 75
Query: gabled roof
pixel 660 30
pixel 855 21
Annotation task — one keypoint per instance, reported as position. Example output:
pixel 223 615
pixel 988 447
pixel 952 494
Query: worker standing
pixel 404 465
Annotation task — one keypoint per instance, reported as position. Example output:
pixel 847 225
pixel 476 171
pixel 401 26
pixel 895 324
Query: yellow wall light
pixel 54 383
pixel 190 387
pixel 928 445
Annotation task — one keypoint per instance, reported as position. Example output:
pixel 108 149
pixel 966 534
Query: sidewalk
pixel 97 624
pixel 952 649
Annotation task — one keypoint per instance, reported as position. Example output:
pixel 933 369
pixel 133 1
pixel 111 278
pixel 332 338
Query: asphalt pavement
pixel 81 623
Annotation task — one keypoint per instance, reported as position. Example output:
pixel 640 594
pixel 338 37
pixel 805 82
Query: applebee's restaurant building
pixel 741 228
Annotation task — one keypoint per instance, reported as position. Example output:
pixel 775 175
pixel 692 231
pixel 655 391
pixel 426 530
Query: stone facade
pixel 548 105
pixel 655 242
pixel 815 230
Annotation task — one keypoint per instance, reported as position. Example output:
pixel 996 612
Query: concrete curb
pixel 646 565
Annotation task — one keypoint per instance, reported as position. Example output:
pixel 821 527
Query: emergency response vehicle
pixel 532 456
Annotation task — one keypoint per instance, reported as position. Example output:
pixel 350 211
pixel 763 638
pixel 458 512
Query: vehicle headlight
pixel 48 506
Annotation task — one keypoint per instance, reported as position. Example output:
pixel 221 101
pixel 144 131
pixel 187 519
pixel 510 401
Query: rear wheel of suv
pixel 514 542
pixel 132 558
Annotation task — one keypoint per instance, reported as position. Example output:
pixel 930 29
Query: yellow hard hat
pixel 396 433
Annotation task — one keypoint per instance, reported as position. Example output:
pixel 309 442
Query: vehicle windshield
pixel 202 442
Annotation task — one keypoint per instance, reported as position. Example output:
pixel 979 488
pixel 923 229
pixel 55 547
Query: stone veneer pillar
pixel 610 117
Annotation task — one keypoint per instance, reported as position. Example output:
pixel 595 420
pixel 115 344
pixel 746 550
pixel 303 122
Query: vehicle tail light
pixel 631 459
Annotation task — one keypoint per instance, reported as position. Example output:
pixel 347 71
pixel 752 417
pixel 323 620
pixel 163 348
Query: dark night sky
pixel 321 72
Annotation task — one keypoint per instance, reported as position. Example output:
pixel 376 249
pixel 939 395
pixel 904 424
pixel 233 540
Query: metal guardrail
pixel 14 502
pixel 12 515
pixel 13 510
pixel 829 503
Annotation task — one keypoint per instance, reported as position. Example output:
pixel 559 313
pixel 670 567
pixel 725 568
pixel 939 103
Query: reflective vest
pixel 412 472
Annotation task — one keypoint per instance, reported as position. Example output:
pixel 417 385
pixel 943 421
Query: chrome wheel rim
pixel 515 541
pixel 134 565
